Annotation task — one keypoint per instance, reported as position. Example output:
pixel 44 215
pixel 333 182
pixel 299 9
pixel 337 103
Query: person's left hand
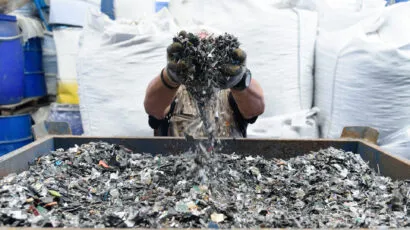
pixel 233 72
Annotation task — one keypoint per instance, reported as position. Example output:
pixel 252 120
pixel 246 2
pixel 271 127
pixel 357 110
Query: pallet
pixel 27 105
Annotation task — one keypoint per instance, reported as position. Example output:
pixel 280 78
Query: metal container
pixel 385 163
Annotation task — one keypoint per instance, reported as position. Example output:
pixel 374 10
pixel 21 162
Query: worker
pixel 172 111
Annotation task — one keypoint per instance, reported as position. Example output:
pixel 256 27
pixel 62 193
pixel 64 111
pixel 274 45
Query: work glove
pixel 178 67
pixel 232 73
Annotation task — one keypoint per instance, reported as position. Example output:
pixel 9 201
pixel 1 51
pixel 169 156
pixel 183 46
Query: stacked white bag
pixel 71 12
pixel 280 48
pixel 133 9
pixel 397 143
pixel 323 6
pixel 116 61
pixel 363 74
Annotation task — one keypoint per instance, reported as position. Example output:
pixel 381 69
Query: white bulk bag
pixel 133 9
pixel 67 46
pixel 117 60
pixel 71 12
pixel 324 6
pixel 302 124
pixel 397 143
pixel 363 74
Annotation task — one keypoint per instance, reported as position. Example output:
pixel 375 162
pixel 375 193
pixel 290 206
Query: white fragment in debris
pixel 114 193
pixel 129 223
pixel 217 217
pixel 300 193
pixel 249 158
pixel 19 215
pixel 310 169
pixel 95 174
pixel 146 176
pixel 343 173
pixel 73 149
pixel 10 178
pixel 114 176
pixel 255 171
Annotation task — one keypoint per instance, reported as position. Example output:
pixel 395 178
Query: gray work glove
pixel 178 67
pixel 233 72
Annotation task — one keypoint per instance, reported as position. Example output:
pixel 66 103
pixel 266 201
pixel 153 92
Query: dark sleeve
pixel 161 126
pixel 240 120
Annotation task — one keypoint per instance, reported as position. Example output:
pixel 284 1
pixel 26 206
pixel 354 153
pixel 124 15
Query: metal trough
pixel 379 160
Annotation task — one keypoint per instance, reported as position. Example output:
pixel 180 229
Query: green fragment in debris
pixel 159 162
pixel 54 193
pixel 41 210
pixel 258 189
pixel 181 207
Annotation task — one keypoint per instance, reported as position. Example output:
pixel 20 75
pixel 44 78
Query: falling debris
pixel 208 64
pixel 326 189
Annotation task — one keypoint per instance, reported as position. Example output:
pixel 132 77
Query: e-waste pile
pixel 106 185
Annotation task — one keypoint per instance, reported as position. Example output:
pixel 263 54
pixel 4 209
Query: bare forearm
pixel 250 101
pixel 158 98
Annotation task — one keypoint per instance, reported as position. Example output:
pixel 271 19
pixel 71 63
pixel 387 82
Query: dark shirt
pixel 162 125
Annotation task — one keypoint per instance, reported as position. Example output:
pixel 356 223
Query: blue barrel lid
pixel 4 17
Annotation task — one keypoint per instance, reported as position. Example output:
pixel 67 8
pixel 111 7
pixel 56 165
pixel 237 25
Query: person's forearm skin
pixel 158 97
pixel 251 102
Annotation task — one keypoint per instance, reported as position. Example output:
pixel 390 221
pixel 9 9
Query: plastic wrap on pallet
pixel 67 113
pixel 363 74
pixel 50 63
pixel 8 6
pixel 30 27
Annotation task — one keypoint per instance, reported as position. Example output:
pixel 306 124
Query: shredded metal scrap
pixel 104 185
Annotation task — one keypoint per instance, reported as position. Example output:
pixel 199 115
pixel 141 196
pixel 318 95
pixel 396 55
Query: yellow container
pixel 67 93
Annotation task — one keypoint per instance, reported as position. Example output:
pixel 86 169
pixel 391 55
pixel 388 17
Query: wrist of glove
pixel 233 73
pixel 167 81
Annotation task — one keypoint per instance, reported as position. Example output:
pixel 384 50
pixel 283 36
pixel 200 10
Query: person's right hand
pixel 178 66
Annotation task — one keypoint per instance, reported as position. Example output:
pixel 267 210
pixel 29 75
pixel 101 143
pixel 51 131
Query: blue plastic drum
pixel 34 80
pixel 15 132
pixel 11 61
